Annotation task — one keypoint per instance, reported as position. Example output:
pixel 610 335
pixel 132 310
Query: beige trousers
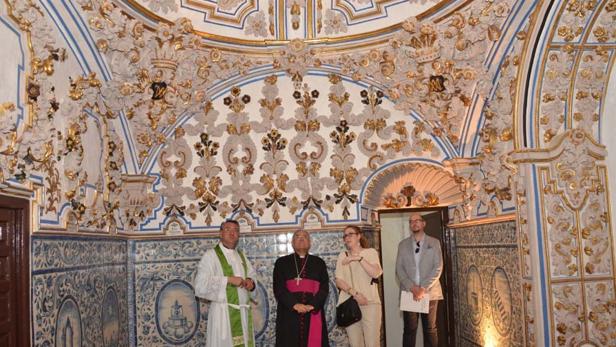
pixel 366 332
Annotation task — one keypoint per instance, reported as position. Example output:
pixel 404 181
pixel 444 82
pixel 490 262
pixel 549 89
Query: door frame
pixel 22 264
pixel 448 264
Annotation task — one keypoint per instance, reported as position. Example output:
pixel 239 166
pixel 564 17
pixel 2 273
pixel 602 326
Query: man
pixel 225 277
pixel 301 285
pixel 419 264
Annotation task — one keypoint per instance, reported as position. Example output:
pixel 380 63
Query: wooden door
pixel 14 273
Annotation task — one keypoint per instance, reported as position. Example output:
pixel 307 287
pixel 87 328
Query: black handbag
pixel 348 312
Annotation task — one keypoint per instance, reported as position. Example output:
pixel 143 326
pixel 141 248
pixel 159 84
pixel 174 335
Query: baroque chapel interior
pixel 131 129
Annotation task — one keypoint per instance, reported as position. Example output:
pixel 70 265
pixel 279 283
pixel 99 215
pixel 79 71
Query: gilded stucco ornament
pixel 577 176
pixel 410 197
pixel 173 161
pixel 136 200
pixel 308 149
pixel 274 179
pixel 155 71
pixel 575 223
pixel 256 25
pixel 162 74
pixel 239 152
pixel 569 314
pixel 334 23
pixel 343 171
pixel 295 8
pixel 8 137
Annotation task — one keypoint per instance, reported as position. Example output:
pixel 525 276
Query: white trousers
pixel 366 332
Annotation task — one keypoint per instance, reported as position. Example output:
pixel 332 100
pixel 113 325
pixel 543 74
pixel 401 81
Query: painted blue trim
pixel 20 71
pixel 216 10
pixel 331 6
pixel 88 39
pixel 276 24
pixel 607 84
pixel 58 216
pixel 495 84
pixel 286 27
pixel 137 13
pixel 534 83
pixel 383 14
pixel 510 47
pixel 68 37
pixel 495 48
pixel 540 248
pixel 37 177
pixel 467 125
pixel 306 20
pixel 131 143
pixel 256 218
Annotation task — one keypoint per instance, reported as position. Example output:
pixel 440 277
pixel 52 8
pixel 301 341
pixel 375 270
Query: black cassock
pixel 292 328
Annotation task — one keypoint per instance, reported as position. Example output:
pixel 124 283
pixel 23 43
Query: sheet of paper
pixel 407 303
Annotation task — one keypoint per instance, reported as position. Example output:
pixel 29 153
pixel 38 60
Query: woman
pixel 356 270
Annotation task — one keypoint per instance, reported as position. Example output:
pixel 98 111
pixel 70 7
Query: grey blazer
pixel 430 265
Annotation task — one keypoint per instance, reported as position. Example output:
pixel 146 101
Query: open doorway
pixel 14 272
pixel 395 228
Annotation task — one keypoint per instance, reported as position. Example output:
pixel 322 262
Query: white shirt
pixel 417 258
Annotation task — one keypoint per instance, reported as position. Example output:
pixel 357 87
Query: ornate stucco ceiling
pixel 269 23
pixel 120 93
pixel 160 121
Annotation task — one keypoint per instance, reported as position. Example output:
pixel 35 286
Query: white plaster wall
pixel 393 230
pixel 608 124
pixel 10 58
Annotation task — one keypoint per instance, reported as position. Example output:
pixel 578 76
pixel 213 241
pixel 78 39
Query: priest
pixel 301 285
pixel 226 278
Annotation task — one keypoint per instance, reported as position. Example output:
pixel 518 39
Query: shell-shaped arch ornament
pixel 412 184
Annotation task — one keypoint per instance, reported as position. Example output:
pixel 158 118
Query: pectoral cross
pixel 297 279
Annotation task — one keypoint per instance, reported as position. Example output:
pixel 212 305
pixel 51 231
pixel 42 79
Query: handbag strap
pixel 350 271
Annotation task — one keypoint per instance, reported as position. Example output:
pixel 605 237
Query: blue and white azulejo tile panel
pixel 79 291
pixel 163 271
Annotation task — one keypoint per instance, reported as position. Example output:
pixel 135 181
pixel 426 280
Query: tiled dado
pixel 79 291
pixel 93 291
pixel 164 310
pixel 488 301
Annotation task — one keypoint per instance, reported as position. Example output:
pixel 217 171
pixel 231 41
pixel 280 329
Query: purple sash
pixel 312 287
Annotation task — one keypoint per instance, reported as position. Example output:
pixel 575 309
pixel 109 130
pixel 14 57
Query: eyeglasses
pixel 417 248
pixel 347 235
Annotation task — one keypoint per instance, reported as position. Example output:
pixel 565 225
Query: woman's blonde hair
pixel 363 242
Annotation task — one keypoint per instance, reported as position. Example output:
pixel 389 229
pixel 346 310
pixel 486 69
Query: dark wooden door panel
pixel 14 272
pixel 8 283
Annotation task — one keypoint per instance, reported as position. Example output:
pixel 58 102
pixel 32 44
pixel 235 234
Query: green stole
pixel 235 317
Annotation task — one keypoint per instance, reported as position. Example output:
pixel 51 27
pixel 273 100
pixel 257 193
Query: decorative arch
pixel 387 186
